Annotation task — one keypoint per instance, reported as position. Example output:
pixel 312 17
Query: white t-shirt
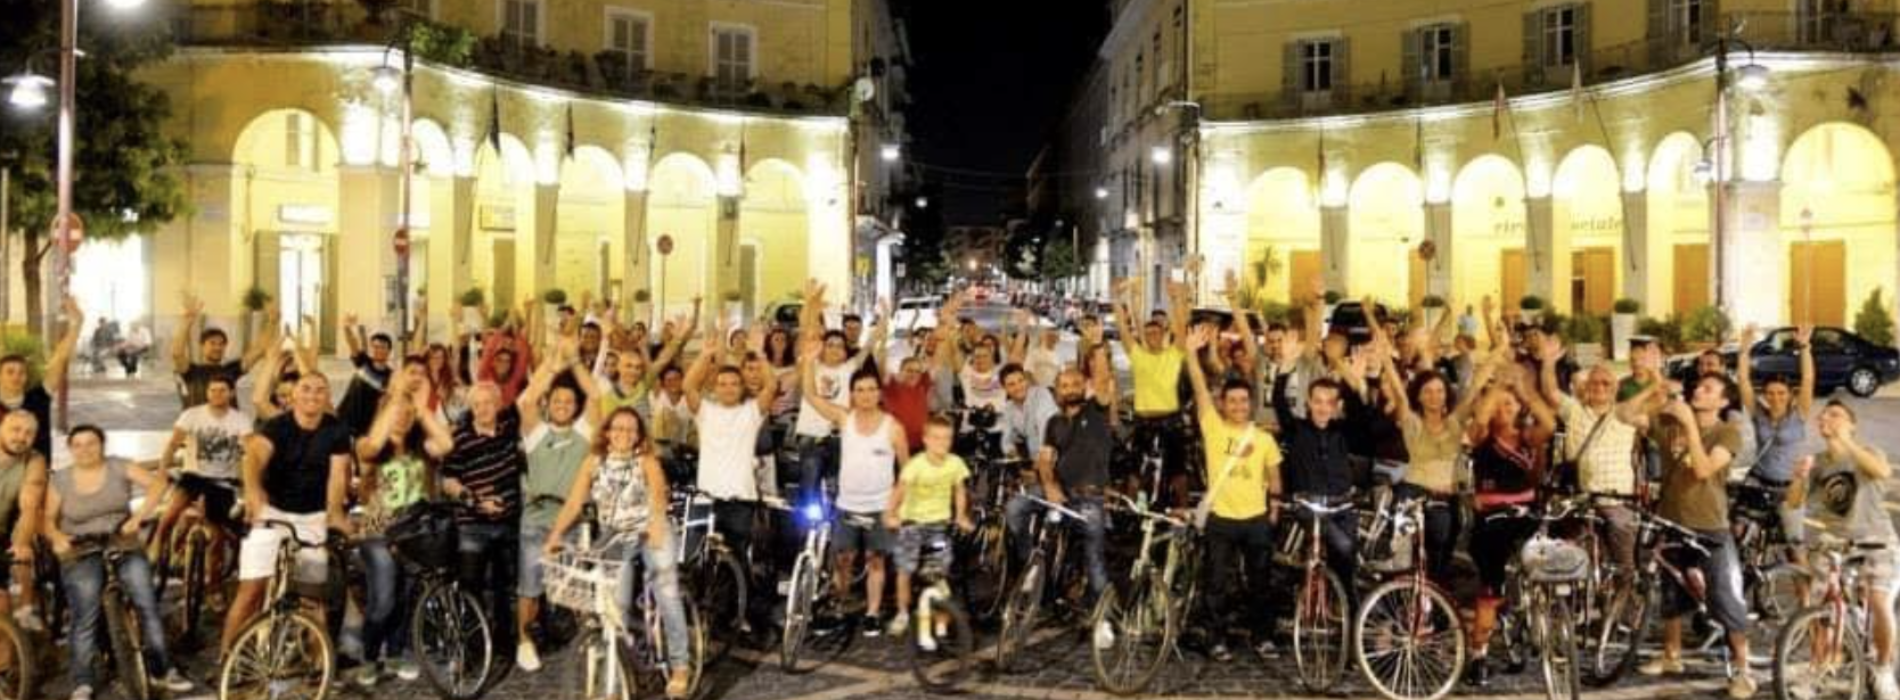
pixel 867 467
pixel 1042 364
pixel 581 427
pixel 833 383
pixel 214 445
pixel 729 435
pixel 673 418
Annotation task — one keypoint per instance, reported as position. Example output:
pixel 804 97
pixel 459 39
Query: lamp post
pixel 388 80
pixel 1750 77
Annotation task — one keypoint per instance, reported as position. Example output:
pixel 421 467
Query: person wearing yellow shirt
pixel 929 492
pixel 1243 477
pixel 1154 363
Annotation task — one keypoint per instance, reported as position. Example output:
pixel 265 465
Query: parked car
pixel 1350 318
pixel 914 312
pixel 1842 360
pixel 1224 320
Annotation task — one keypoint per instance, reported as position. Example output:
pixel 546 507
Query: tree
pixel 1873 321
pixel 125 167
pixel 1059 261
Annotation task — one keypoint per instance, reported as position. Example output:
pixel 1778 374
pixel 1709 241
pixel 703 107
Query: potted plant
pixel 1585 334
pixel 1704 328
pixel 1622 326
pixel 254 301
pixel 1531 307
pixel 1331 299
pixel 471 300
pixel 1434 306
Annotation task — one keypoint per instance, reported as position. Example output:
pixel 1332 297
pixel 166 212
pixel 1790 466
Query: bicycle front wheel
pixel 278 656
pixel 1019 615
pixel 1820 656
pixel 17 673
pixel 453 641
pixel 1558 639
pixel 605 673
pixel 1619 632
pixel 940 641
pixel 1410 643
pixel 721 585
pixel 799 602
pixel 1140 630
pixel 1319 631
pixel 128 663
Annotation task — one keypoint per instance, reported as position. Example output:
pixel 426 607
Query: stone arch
pixel 1386 223
pixel 590 222
pixel 284 208
pixel 776 215
pixel 1586 249
pixel 1487 231
pixel 1282 219
pixel 1677 280
pixel 683 206
pixel 1837 222
pixel 432 149
pixel 504 215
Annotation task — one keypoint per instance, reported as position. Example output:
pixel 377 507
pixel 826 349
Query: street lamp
pixel 387 79
pixel 399 83
pixel 1750 77
pixel 890 152
pixel 923 202
pixel 1161 155
pixel 1101 192
pixel 27 90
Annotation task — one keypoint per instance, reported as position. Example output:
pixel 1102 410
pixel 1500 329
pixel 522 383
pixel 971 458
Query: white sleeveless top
pixel 867 467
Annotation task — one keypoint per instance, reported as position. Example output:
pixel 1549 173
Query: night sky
pixel 990 78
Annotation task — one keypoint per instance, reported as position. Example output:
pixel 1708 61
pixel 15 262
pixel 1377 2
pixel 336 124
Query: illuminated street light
pixel 1101 193
pixel 387 79
pixel 923 203
pixel 890 152
pixel 1751 77
pixel 1162 155
pixel 28 90
pixel 125 4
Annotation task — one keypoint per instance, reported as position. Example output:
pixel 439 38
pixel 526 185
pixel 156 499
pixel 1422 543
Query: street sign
pixel 401 242
pixel 75 232
pixel 665 245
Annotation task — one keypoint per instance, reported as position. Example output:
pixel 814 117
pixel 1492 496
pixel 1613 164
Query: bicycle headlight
pixel 812 512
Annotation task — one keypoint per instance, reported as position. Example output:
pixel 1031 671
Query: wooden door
pixel 504 272
pixel 1511 276
pixel 1592 280
pixel 1301 267
pixel 1817 286
pixel 1417 277
pixel 1691 277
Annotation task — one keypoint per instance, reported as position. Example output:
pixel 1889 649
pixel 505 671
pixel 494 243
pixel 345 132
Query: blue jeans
pixel 85 579
pixel 662 575
pixel 1094 527
pixel 384 581
pixel 488 558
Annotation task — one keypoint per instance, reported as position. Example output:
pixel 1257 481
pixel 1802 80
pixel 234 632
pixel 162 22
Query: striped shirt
pixel 489 466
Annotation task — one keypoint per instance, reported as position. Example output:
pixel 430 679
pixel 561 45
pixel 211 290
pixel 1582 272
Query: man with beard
pixel 15 392
pixel 1072 470
pixel 23 476
pixel 556 439
pixel 212 344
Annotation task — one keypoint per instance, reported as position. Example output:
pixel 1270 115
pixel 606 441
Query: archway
pixel 1586 256
pixel 1487 232
pixel 1282 251
pixel 773 214
pixel 504 207
pixel 682 203
pixel 1838 222
pixel 590 220
pixel 1386 223
pixel 284 199
pixel 1678 276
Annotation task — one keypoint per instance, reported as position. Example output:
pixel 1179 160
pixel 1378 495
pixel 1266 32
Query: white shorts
pixel 257 557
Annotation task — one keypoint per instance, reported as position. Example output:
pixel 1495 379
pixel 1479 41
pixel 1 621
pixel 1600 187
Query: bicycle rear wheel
pixel 452 641
pixel 721 585
pixel 1143 623
pixel 128 663
pixel 985 582
pixel 278 656
pixel 192 575
pixel 1620 630
pixel 17 671
pixel 1019 614
pixel 1319 631
pixel 1558 639
pixel 1820 656
pixel 943 662
pixel 1410 643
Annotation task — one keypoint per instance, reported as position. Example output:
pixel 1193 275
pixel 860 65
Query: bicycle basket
pixel 577 581
pixel 424 537
pixel 1551 560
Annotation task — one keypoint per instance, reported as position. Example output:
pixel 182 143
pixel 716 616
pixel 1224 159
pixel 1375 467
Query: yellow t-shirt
pixel 1157 377
pixel 1243 492
pixel 930 489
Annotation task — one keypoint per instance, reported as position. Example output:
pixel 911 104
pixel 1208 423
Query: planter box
pixel 472 320
pixel 1622 326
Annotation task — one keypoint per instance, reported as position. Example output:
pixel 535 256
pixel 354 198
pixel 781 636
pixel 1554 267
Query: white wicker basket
pixel 578 581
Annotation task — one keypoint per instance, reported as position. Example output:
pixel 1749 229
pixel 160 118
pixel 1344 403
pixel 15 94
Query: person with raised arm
pixel 556 409
pixel 212 345
pixel 397 461
pixel 1238 511
pixel 1779 414
pixel 871 446
pixel 1844 488
pixel 729 423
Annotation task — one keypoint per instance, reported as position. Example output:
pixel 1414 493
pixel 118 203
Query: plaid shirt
pixel 1608 467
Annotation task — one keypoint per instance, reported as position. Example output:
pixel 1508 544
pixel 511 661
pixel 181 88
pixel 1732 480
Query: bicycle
pixel 1551 574
pixel 283 653
pixel 1159 594
pixel 1835 634
pixel 127 645
pixel 617 661
pixel 986 550
pixel 810 583
pixel 1050 551
pixel 449 632
pixel 1408 639
pixel 189 552
pixel 1320 612
pixel 714 572
pixel 941 639
pixel 1772 580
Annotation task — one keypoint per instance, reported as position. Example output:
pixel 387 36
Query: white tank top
pixel 867 467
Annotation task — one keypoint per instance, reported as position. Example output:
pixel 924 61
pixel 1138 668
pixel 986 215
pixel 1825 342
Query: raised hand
pixel 1747 337
pixel 1804 333
pixel 1199 337
pixel 349 320
pixel 194 307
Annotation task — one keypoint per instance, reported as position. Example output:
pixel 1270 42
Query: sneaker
pixel 1741 686
pixel 1220 653
pixel 678 684
pixel 1661 666
pixel 1266 649
pixel 1885 687
pixel 82 692
pixel 28 619
pixel 1478 672
pixel 366 675
pixel 1104 635
pixel 525 657
pixel 406 670
pixel 173 681
pixel 869 624
pixel 899 623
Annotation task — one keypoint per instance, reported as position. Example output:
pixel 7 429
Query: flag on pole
pixel 570 130
pixel 1498 106
pixel 1576 88
pixel 494 121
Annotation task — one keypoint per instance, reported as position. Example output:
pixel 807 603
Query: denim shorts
pixel 528 583
pixel 873 538
pixel 911 541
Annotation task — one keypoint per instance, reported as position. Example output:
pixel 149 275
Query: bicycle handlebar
pixel 1058 508
pixel 1322 507
pixel 1128 504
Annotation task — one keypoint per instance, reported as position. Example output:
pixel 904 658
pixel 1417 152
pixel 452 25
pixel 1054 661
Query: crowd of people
pixel 530 420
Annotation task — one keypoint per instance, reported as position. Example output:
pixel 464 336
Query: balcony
pixel 1834 32
pixel 289 25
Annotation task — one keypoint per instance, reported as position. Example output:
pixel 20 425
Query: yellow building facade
pixel 650 151
pixel 1568 149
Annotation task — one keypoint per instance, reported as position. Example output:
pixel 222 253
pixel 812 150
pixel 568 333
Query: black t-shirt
pixel 358 407
pixel 198 376
pixel 1083 446
pixel 298 476
pixel 39 402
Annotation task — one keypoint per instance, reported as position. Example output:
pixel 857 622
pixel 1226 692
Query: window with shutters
pixel 1438 46
pixel 1560 36
pixel 1141 78
pixel 420 8
pixel 300 142
pixel 1316 66
pixel 520 24
pixel 1819 21
pixel 732 56
pixel 1687 21
pixel 629 34
pixel 1160 79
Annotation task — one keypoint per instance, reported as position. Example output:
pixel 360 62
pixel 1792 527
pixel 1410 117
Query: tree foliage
pixel 1873 321
pixel 1059 261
